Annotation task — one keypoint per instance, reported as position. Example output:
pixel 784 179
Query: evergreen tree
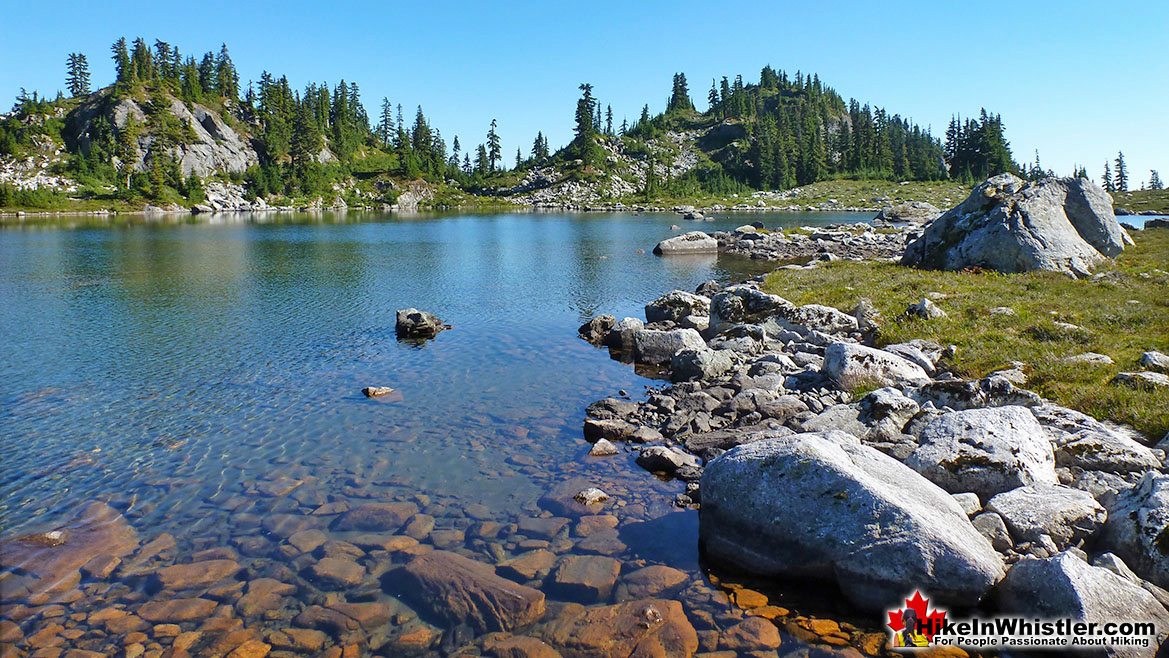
pixel 1109 184
pixel 385 127
pixel 142 61
pixel 519 158
pixel 609 120
pixel 1121 184
pixel 77 76
pixel 456 149
pixel 494 152
pixel 680 95
pixel 482 164
pixel 226 77
pixel 712 97
pixel 584 145
pixel 1155 180
pixel 121 57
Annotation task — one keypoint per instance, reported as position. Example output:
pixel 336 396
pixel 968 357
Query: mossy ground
pixel 1121 314
pixel 1142 201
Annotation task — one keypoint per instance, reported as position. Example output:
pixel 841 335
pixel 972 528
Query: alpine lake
pixel 201 379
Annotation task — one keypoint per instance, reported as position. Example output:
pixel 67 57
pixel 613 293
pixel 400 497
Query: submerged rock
pixel 647 627
pixel 825 506
pixel 464 591
pixel 1008 225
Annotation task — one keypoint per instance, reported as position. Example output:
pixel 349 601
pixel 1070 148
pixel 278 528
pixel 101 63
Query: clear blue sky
pixel 1076 80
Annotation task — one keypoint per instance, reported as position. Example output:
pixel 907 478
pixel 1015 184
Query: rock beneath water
pixel 751 634
pixel 656 347
pixel 644 628
pixel 595 330
pixel 561 499
pixel 1066 586
pixel 528 566
pixel 196 574
pixel 853 366
pixel 376 517
pixel 463 591
pixel 176 611
pixel 694 242
pixel 502 645
pixel 52 560
pixel 675 305
pixel 1008 225
pixel 654 580
pixel 415 324
pixel 1138 528
pixel 825 506
pixel 985 451
pixel 376 391
pixel 1067 515
pixel 916 212
pixel 586 578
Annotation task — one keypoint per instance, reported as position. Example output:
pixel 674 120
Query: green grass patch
pixel 1121 313
pixel 1142 201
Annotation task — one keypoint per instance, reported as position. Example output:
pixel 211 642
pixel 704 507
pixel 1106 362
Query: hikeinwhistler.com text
pixel 1016 632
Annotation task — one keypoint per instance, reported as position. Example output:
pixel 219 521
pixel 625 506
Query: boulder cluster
pixel 812 454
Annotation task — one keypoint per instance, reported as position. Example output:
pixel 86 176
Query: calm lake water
pixel 169 367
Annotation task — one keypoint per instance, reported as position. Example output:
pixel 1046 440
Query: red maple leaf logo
pixel 929 620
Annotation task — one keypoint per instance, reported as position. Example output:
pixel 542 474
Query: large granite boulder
pixel 1065 586
pixel 1009 225
pixel 744 304
pixel 984 451
pixel 1066 515
pixel 652 346
pixel 915 212
pixel 675 305
pixel 851 366
pixel 694 242
pixel 824 506
pixel 1138 528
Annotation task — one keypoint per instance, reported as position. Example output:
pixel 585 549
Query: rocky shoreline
pixel 813 454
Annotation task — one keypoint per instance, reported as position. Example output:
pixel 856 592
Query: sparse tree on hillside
pixel 77 78
pixel 1121 184
pixel 519 158
pixel 494 152
pixel 1155 181
pixel 1109 184
pixel 385 127
pixel 121 57
pixel 680 95
pixel 609 120
pixel 712 97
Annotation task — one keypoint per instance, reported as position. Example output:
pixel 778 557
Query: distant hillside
pixel 170 124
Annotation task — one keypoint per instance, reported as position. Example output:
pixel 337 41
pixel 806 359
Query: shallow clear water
pixel 169 367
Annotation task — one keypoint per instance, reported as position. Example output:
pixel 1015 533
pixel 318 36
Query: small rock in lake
pixel 591 496
pixel 376 391
pixel 412 323
pixel 603 448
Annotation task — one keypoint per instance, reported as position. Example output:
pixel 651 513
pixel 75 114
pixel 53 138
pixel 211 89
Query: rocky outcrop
pixel 675 305
pixel 851 366
pixel 208 144
pixel 652 346
pixel 463 591
pixel 694 242
pixel 1008 225
pixel 825 506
